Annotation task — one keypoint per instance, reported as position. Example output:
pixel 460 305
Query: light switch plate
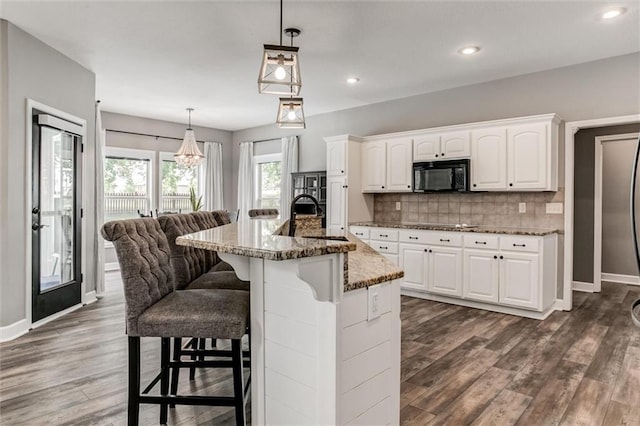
pixel 398 205
pixel 373 302
pixel 522 207
pixel 554 208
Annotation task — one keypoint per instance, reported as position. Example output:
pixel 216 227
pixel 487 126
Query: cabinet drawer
pixel 384 247
pixel 383 234
pixel 515 243
pixel 360 232
pixel 413 236
pixel 451 239
pixel 481 241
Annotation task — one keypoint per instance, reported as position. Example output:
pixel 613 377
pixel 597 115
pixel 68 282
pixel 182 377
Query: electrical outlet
pixel 398 205
pixel 554 208
pixel 522 207
pixel 373 310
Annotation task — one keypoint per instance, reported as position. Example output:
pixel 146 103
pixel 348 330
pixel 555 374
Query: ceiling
pixel 154 59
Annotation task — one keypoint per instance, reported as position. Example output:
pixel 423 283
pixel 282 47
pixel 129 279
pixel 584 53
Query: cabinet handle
pixel 495 257
pixel 481 242
pixel 443 154
pixel 341 171
pixel 510 184
pixel 384 235
pixel 344 186
pixel 519 245
pixel 382 186
pixel 409 186
pixel 384 247
pixel 413 238
pixel 444 241
pixel 430 251
pixel 501 257
pixel 436 155
pixel 426 250
pixel 474 185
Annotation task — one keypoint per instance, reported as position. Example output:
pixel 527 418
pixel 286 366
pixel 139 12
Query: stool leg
pixel 133 410
pixel 214 342
pixel 175 373
pixel 238 381
pixel 192 370
pixel 164 379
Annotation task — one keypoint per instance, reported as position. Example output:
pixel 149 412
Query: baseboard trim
pixel 13 331
pixel 111 266
pixel 480 305
pixel 584 287
pixel 56 315
pixel 89 298
pixel 621 279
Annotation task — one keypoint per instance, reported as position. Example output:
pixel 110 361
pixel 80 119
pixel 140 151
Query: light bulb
pixel 613 13
pixel 469 50
pixel 291 115
pixel 280 73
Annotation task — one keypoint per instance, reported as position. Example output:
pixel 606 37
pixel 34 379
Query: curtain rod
pixel 149 135
pixel 264 140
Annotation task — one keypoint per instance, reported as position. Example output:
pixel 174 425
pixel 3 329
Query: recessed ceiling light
pixel 613 13
pixel 469 50
pixel 353 80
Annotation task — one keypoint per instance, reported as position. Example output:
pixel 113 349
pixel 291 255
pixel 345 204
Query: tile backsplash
pixel 486 208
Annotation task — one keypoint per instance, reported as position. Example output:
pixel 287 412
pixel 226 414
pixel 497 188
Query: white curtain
pixel 213 192
pixel 245 180
pixel 289 165
pixel 98 245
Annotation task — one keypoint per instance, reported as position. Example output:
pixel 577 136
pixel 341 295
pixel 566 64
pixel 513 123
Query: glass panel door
pixel 55 221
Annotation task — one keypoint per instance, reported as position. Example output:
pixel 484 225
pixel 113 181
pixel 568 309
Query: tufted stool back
pixel 144 256
pixel 188 262
pixel 263 212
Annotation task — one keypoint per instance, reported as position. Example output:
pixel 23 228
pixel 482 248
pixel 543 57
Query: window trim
pixel 137 154
pixel 168 156
pixel 257 161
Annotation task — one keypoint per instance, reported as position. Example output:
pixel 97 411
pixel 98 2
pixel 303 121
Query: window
pixel 127 183
pixel 267 175
pixel 175 184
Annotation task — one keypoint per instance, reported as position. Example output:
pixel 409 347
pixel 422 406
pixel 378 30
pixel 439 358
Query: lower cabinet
pixel 501 270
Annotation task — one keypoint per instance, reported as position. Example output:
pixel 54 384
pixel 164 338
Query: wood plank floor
pixel 459 366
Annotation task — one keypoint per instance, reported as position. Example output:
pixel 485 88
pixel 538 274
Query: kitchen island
pixel 325 323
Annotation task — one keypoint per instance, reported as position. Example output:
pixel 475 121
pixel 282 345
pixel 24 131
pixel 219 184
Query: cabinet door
pixel 426 148
pixel 374 165
pixel 480 276
pixel 413 261
pixel 336 158
pixel 445 271
pixel 399 165
pixel 393 258
pixel 337 203
pixel 519 280
pixel 527 156
pixel 455 145
pixel 489 159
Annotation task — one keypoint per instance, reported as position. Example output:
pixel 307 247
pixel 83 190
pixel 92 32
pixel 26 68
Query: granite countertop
pixel 261 238
pixel 442 227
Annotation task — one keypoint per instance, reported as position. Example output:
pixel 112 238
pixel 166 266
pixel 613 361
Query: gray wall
pixel 175 130
pixel 596 89
pixel 584 175
pixel 618 256
pixel 36 71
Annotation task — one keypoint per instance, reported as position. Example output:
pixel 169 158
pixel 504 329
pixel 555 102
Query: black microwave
pixel 441 176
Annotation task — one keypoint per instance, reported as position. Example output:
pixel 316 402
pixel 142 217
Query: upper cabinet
pixel 442 146
pixel 387 166
pixel 516 157
pixel 336 158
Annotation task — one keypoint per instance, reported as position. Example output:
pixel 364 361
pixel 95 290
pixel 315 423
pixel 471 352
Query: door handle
pixel 37 226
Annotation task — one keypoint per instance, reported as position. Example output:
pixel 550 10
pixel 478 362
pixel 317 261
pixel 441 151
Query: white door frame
pixel 31 105
pixel 571 128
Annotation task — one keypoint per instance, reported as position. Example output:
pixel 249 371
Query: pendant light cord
pixel 281 23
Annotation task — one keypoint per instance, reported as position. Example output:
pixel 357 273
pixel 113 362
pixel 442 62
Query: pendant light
pixel 189 154
pixel 280 68
pixel 290 114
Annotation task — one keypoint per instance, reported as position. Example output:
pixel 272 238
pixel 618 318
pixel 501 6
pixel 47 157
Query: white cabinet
pixel 336 214
pixel 374 166
pixel 489 159
pixel 336 158
pixel 413 261
pixel 527 157
pixel 399 165
pixel 519 280
pixel 445 271
pixel 433 147
pixel 481 274
pixel 387 166
pixel 516 157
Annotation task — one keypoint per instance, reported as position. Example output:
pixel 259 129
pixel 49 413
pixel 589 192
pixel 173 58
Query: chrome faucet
pixel 292 216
